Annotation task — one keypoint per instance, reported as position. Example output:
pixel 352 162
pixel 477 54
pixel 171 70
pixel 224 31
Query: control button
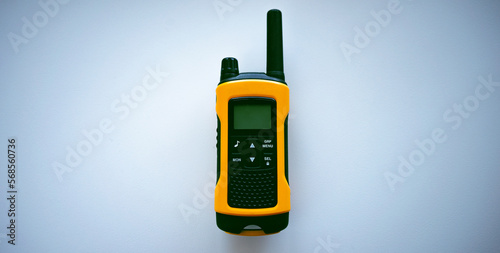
pixel 235 145
pixel 249 147
pixel 267 144
pixel 251 143
pixel 268 160
pixel 235 161
pixel 252 161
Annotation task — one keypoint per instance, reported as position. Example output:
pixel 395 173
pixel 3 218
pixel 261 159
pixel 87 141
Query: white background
pixel 147 184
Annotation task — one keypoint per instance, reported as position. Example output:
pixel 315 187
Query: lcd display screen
pixel 252 116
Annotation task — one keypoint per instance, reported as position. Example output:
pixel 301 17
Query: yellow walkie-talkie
pixel 252 194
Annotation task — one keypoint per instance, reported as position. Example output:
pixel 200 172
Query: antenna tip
pixel 274 14
pixel 274 44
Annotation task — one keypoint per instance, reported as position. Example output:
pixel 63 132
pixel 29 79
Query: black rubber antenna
pixel 275 45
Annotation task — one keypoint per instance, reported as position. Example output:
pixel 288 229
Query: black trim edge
pixel 234 224
pixel 252 75
pixel 218 150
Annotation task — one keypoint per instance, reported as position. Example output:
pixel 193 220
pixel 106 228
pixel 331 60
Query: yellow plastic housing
pixel 252 88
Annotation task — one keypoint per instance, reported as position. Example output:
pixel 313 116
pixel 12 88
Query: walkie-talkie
pixel 252 194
